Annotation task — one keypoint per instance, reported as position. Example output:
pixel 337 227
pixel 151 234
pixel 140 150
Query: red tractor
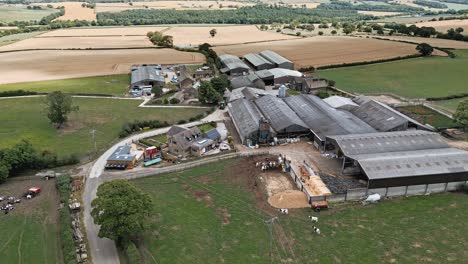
pixel 32 192
pixel 319 205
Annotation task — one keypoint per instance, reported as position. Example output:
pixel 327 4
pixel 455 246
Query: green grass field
pixel 111 84
pixel 9 13
pixel 427 116
pixel 5 40
pixel 25 118
pixel 449 104
pixel 412 78
pixel 209 215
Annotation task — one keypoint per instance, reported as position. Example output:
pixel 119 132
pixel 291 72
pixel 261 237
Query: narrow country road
pixel 103 251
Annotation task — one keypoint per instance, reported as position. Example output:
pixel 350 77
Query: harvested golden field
pixel 73 10
pixel 7 28
pixel 441 43
pixel 187 35
pixel 443 26
pixel 53 65
pixel 378 13
pixel 319 51
pixel 79 43
pixel 178 5
pixel 103 31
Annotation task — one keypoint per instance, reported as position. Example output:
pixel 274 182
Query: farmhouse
pixel 122 157
pixel 401 158
pixel 258 62
pixel 149 75
pixel 180 140
pixel 232 65
pixel 276 59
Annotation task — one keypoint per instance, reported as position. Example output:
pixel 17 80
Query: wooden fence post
pixel 406 190
pixel 446 185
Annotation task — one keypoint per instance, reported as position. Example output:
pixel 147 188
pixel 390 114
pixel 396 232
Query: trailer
pixel 152 162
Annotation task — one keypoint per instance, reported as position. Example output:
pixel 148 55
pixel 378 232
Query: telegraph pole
pixel 93 135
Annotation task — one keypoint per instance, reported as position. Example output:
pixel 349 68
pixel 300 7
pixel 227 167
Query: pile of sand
pixel 289 199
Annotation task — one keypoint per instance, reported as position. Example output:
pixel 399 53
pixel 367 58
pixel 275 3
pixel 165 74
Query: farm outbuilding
pixel 258 62
pixel 122 156
pixel 248 93
pixel 323 120
pixel 251 80
pixel 246 118
pixel 342 103
pixel 232 65
pixel 267 77
pixel 147 76
pixel 282 119
pixel 402 158
pixel 278 60
pixel 307 84
pixel 283 76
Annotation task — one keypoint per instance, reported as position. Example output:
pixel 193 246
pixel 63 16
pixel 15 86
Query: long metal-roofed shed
pixel 278 60
pixel 402 158
pixel 250 80
pixel 147 75
pixel 282 119
pixel 232 65
pixel 323 120
pixel 384 118
pixel 247 92
pixel 246 119
pixel 258 62
pixel 122 156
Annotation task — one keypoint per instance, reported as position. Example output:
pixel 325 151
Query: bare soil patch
pixel 177 5
pixel 54 65
pixel 73 10
pixel 320 51
pixel 44 205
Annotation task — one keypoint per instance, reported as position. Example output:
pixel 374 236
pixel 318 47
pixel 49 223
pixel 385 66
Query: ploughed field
pixel 320 51
pixel 216 213
pixel 26 118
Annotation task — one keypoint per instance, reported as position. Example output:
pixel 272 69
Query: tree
pixel 58 106
pixel 159 39
pixel 4 172
pixel 310 27
pixel 425 49
pixel 157 90
pixel 459 30
pixel 461 114
pixel 220 83
pixel 121 210
pixel 207 94
pixel 213 32
pixel 334 32
pixel 320 33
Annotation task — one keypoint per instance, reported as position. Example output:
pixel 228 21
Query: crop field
pixel 413 78
pixel 10 13
pixel 443 26
pixel 319 51
pixel 379 13
pixel 104 31
pixel 6 40
pixel 105 115
pixel 111 85
pixel 178 5
pixel 27 66
pixel 435 42
pixel 30 232
pixel 74 10
pixel 38 43
pixel 217 213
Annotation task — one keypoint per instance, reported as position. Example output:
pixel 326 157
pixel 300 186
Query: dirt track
pixel 319 51
pixel 54 65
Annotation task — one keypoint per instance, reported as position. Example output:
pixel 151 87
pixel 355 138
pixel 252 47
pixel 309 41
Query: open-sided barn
pixel 147 75
pixel 232 65
pixel 402 158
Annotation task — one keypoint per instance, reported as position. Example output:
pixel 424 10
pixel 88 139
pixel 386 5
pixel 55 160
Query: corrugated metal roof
pixel 379 117
pixel 274 57
pixel 264 74
pixel 280 116
pixel 414 163
pixel 257 60
pixel 245 116
pixel 240 93
pixel 324 120
pixel 339 102
pixel 384 142
pixel 142 73
pixel 232 62
pixel 280 72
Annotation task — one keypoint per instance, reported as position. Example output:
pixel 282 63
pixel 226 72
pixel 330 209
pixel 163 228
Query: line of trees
pixel 426 32
pixel 389 7
pixel 430 4
pixel 161 40
pixel 258 14
pixel 23 156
